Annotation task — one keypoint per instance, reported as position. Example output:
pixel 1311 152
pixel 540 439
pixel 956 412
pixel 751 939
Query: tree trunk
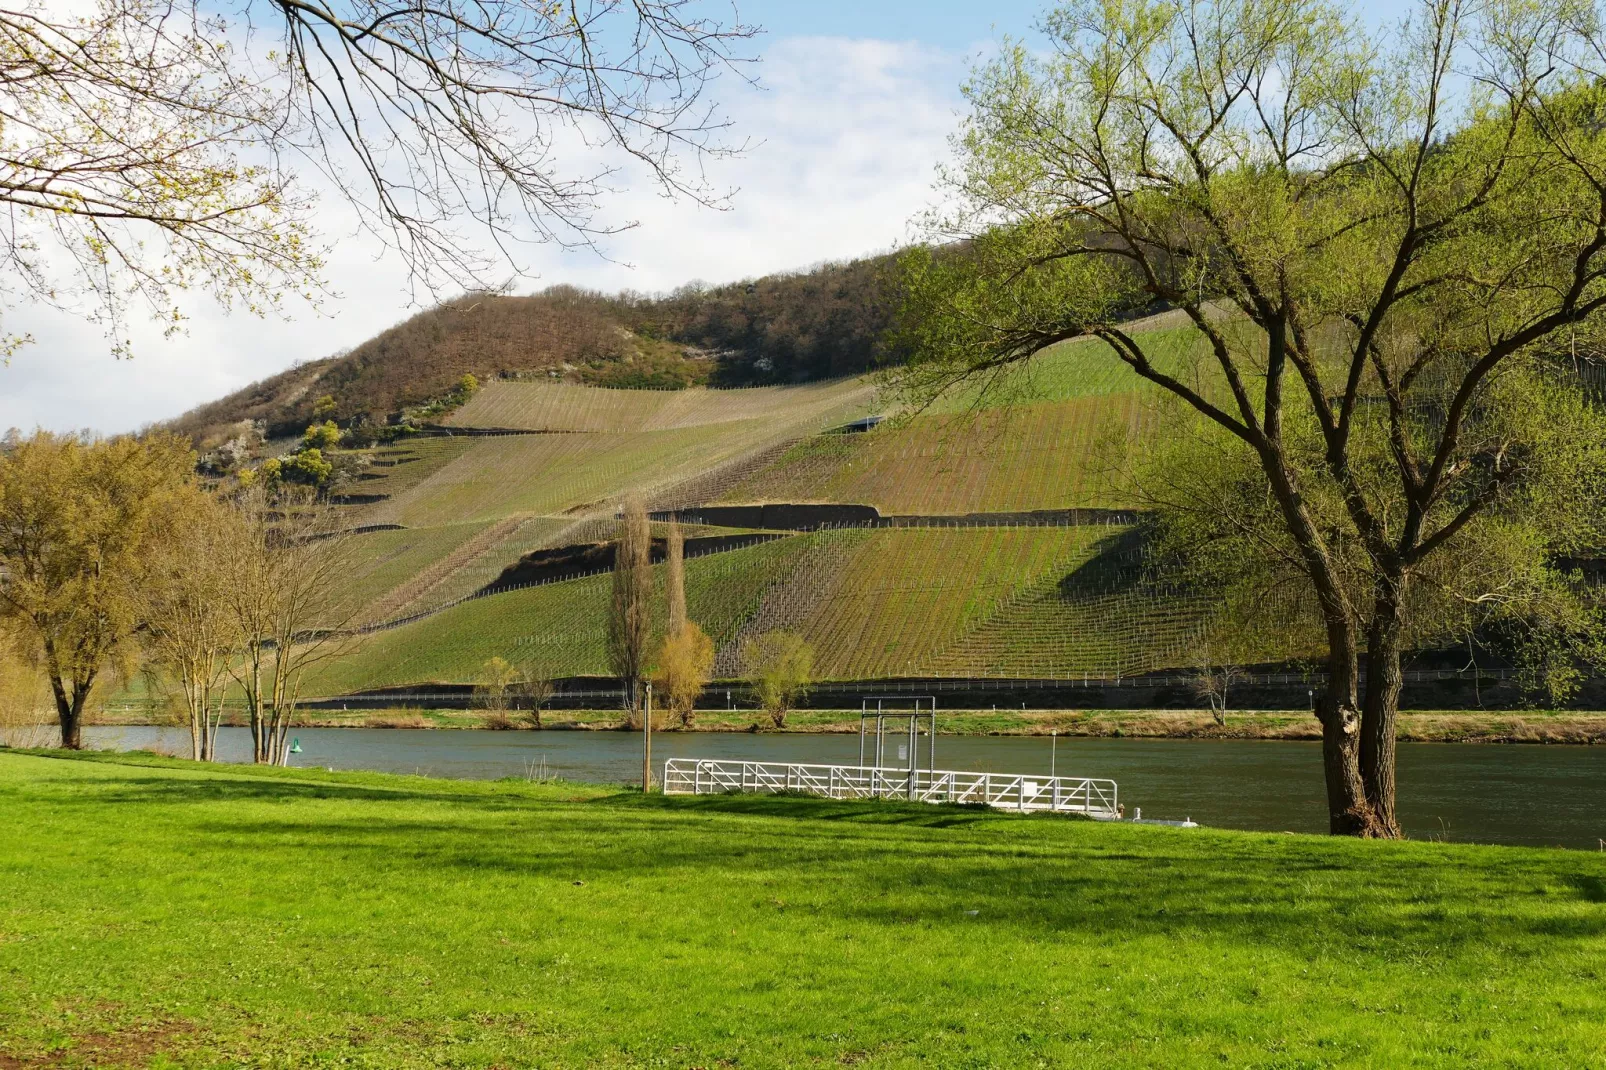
pixel 1348 813
pixel 1378 721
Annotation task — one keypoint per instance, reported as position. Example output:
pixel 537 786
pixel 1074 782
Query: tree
pixel 26 711
pixel 674 579
pixel 630 611
pixel 685 665
pixel 533 689
pixel 188 631
pixel 1377 243
pixel 78 524
pixel 155 148
pixel 288 597
pixel 306 466
pixel 686 658
pixel 780 667
pixel 495 690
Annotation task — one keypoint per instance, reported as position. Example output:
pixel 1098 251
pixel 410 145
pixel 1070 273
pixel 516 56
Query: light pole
pixel 646 745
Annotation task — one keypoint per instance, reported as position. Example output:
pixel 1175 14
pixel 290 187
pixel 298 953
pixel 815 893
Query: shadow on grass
pixel 893 864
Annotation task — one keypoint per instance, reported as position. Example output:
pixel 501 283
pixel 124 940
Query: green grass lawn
pixel 158 914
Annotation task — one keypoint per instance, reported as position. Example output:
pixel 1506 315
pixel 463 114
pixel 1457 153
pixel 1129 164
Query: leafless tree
pixel 152 147
pixel 287 594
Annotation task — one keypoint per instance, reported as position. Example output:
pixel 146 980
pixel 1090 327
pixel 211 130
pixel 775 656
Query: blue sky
pixel 858 100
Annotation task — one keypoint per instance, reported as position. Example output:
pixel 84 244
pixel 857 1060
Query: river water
pixel 1538 795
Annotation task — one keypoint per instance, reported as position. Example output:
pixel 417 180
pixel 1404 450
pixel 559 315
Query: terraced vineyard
pixel 556 628
pixel 961 601
pixel 560 406
pixel 1049 455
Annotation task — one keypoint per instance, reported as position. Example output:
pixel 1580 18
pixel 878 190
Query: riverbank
pixel 1448 726
pixel 412 922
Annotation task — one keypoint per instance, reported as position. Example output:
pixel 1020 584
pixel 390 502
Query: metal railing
pixel 1005 791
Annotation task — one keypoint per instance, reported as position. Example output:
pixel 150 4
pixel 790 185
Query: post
pixel 914 754
pixel 646 744
pixel 1053 744
pixel 862 712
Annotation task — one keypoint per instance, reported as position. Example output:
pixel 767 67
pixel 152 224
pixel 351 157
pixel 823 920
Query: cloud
pixel 847 135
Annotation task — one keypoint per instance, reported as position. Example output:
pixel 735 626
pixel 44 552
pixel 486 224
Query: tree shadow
pixel 890 864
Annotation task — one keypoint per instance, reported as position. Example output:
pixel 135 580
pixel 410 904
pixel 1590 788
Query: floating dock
pixel 1004 791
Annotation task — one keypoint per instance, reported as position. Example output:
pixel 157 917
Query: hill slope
pixel 788 328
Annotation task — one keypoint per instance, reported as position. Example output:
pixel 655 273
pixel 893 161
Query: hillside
pixel 985 536
pixel 822 323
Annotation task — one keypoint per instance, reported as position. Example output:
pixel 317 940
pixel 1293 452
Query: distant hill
pixel 825 322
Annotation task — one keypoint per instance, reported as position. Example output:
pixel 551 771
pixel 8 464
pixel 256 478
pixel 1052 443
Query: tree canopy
pixel 154 147
pixel 1382 244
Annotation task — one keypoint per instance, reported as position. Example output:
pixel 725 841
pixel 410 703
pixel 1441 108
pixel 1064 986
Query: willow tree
pixel 1374 240
pixel 80 523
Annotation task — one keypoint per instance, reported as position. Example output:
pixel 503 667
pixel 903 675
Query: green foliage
pixel 520 905
pixel 324 408
pixel 80 525
pixel 307 466
pixel 324 436
pixel 780 667
pixel 1372 279
pixel 685 666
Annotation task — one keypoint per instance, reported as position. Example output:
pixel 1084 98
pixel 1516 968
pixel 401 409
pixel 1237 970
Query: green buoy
pixel 295 745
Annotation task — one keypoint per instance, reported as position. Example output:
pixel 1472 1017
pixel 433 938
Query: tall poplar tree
pixel 630 611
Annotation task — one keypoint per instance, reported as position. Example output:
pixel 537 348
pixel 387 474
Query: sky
pixel 850 121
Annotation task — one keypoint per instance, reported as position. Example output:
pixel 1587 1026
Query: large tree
pixel 150 147
pixel 290 605
pixel 187 623
pixel 1377 240
pixel 79 522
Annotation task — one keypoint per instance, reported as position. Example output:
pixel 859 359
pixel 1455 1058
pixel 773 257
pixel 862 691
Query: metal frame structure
pixel 1004 791
pixel 881 716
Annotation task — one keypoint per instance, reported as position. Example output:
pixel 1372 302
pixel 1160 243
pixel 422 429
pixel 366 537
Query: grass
pixel 158 914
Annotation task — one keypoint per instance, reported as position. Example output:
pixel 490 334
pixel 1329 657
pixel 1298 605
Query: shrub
pixel 685 665
pixel 308 467
pixel 780 666
pixel 324 436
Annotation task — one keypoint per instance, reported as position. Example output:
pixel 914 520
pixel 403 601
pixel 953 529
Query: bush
pixel 780 666
pixel 324 436
pixel 308 467
pixel 685 665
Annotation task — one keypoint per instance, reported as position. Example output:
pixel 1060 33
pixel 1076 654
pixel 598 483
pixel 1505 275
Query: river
pixel 1536 795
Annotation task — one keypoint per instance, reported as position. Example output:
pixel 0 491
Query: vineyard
pixel 996 596
pixel 1048 455
pixel 1004 602
pixel 560 406
pixel 555 629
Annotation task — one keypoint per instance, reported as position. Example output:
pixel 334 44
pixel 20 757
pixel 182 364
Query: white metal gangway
pixel 1005 791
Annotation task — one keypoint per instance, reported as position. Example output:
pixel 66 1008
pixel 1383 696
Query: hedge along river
pixel 1534 795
